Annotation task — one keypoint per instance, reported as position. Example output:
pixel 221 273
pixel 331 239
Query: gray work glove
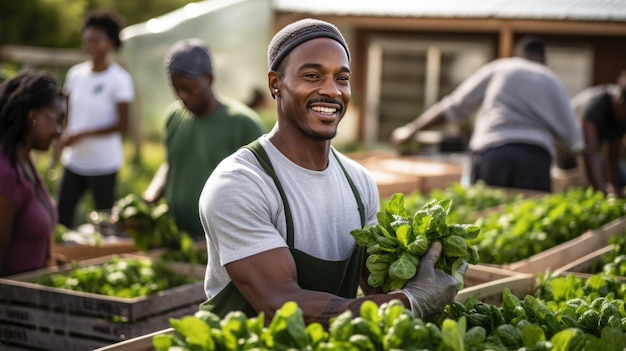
pixel 430 290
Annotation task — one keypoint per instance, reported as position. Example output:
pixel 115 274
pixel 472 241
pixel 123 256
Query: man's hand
pixel 71 139
pixel 617 191
pixel 157 186
pixel 401 135
pixel 430 290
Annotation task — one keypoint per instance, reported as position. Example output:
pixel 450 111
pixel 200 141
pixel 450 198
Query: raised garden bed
pixel 49 318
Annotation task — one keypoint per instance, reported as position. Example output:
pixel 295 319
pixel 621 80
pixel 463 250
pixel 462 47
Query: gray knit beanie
pixel 190 57
pixel 297 33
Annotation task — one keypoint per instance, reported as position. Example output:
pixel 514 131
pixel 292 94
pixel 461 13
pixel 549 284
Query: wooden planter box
pixel 48 318
pixel 190 269
pixel 491 293
pixel 76 252
pixel 565 253
pixel 564 179
pixel 582 266
pixel 142 343
pixel 480 274
pixel 523 284
pixel 83 247
pixel 389 183
pixel 406 174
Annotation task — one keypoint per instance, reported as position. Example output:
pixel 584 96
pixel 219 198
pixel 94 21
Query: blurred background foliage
pixel 57 23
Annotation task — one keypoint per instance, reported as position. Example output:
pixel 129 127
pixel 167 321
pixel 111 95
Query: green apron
pixel 336 277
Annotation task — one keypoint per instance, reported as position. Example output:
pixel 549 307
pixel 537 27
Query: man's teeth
pixel 324 109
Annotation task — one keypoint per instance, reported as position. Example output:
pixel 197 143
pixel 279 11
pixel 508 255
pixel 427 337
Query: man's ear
pixel 273 81
pixel 208 77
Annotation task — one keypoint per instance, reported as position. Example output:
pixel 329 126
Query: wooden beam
pixel 568 27
pixel 31 55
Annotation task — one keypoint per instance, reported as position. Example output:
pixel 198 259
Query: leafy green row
pixel 613 262
pixel 390 327
pixel 187 253
pixel 468 201
pixel 397 242
pixel 530 226
pixel 63 234
pixel 529 324
pixel 120 277
pixel 592 309
pixel 151 226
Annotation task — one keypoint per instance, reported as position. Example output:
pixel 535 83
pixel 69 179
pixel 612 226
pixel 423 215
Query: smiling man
pixel 278 214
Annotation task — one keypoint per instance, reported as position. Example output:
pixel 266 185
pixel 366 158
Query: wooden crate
pixel 582 266
pixel 564 179
pixel 520 285
pixel 20 337
pixel 478 274
pixel 142 343
pixel 5 347
pixel 563 254
pixel 188 269
pixel 421 174
pixel 50 318
pixel 389 183
pixel 74 252
pixel 52 338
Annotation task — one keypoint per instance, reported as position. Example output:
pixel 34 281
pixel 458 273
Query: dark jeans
pixel 516 165
pixel 621 172
pixel 73 187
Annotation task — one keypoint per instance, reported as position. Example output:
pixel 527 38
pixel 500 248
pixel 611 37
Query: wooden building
pixel 407 54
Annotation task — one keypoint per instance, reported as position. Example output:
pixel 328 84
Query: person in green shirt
pixel 201 129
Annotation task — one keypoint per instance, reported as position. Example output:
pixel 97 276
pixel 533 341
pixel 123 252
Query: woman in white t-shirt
pixel 100 92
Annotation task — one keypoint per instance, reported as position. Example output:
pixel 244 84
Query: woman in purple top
pixel 32 115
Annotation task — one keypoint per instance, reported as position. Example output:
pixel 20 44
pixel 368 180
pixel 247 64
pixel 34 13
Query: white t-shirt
pixel 93 99
pixel 242 212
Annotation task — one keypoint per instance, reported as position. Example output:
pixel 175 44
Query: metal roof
pixel 574 10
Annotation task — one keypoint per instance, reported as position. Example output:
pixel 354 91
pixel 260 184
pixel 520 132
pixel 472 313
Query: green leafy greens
pixel 397 242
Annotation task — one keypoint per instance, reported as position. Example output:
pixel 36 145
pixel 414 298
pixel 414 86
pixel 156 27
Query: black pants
pixel 73 187
pixel 521 166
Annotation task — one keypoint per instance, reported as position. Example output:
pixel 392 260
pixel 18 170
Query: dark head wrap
pixel 297 33
pixel 189 57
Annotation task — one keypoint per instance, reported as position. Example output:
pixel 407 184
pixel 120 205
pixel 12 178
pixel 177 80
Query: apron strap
pixel 357 196
pixel 265 162
pixel 261 156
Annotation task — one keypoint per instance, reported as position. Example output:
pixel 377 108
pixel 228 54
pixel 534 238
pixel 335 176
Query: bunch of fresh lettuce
pixel 398 241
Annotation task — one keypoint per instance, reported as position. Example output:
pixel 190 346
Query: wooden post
pixel 506 41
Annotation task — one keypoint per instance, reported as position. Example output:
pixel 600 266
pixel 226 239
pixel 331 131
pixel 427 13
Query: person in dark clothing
pixel 32 116
pixel 602 113
pixel 522 111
